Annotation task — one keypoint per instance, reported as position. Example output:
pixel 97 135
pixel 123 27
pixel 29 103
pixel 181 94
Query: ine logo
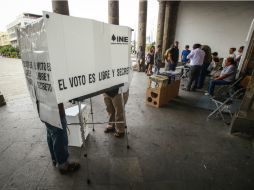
pixel 119 39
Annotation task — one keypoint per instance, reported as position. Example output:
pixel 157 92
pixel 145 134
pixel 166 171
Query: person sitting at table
pixel 226 77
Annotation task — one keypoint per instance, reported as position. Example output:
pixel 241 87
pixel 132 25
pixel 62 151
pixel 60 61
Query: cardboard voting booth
pixel 66 57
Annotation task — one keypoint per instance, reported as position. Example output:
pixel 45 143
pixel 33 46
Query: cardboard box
pixel 161 94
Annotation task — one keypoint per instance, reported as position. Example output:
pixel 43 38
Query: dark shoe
pixel 185 89
pixel 119 135
pixel 69 167
pixel 54 163
pixel 109 129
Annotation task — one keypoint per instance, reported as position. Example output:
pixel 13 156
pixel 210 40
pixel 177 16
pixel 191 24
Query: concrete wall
pixel 219 24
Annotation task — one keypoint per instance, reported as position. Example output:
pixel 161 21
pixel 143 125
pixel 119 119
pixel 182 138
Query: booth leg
pixel 81 121
pixel 125 124
pixel 92 112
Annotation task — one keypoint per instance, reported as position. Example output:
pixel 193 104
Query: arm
pixel 170 57
pixel 230 72
pixel 191 54
pixel 223 76
pixel 155 58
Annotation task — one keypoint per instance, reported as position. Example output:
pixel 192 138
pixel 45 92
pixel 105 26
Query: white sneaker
pixel 207 94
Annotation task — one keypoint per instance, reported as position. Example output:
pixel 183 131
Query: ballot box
pixel 162 88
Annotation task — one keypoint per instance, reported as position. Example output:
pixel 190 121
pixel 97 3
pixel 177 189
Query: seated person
pixel 214 65
pixel 227 76
pixel 231 54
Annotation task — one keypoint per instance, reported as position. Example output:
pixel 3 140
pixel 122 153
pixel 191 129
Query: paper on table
pixel 73 111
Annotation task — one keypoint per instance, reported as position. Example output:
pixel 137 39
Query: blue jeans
pixel 172 66
pixel 157 69
pixel 213 83
pixel 58 142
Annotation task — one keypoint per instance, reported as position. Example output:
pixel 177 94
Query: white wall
pixel 220 25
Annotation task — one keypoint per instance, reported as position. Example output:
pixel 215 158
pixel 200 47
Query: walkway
pixel 171 148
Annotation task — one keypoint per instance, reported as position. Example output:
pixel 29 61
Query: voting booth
pixel 66 57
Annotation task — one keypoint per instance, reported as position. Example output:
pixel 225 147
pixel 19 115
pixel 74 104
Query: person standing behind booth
pixel 184 55
pixel 114 107
pixel 58 145
pixel 158 59
pixel 196 60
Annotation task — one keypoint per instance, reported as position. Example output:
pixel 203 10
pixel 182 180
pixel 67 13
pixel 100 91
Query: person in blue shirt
pixel 185 53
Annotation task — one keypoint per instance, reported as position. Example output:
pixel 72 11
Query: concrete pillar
pixel 113 12
pixel 243 121
pixel 171 11
pixel 60 7
pixel 142 14
pixel 160 24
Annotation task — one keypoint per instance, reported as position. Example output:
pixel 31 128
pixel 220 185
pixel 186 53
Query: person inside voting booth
pixel 58 145
pixel 35 60
pixel 115 109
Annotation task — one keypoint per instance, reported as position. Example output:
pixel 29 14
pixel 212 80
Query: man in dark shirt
pixel 174 56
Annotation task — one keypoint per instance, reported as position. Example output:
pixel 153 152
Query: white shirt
pixel 232 55
pixel 196 57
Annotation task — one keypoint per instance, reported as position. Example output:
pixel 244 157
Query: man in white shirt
pixel 239 55
pixel 196 60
